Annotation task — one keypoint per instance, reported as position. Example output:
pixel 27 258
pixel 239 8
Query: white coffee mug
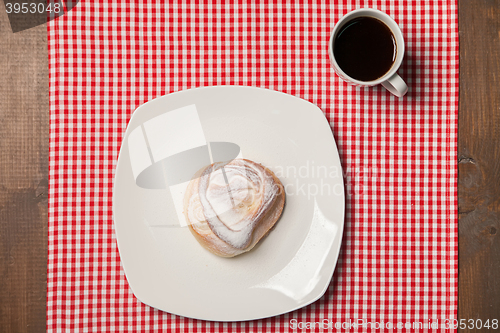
pixel 390 80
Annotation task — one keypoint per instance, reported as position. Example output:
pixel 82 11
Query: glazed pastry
pixel 229 207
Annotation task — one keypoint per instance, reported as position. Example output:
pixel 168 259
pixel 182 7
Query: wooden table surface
pixel 24 141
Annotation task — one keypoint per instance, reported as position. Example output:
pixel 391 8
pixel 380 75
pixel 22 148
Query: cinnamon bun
pixel 230 206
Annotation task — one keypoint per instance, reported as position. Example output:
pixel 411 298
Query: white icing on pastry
pixel 227 197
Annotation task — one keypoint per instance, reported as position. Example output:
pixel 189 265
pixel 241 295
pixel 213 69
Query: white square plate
pixel 292 267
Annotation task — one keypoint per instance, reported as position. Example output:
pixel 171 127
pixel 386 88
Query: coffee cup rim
pixel 390 23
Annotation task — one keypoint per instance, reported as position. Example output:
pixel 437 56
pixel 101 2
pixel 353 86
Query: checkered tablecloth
pixel 398 262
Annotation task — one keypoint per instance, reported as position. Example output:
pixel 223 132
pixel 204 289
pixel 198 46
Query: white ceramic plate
pixel 292 267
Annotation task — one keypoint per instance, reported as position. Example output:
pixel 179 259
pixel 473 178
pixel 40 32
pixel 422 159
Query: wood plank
pixel 479 155
pixel 24 136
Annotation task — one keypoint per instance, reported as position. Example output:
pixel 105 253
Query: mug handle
pixel 396 85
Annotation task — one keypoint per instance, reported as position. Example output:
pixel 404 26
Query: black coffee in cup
pixel 365 48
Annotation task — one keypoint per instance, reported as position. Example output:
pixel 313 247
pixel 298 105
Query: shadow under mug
pixel 390 80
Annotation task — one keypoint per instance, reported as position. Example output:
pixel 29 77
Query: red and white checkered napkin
pixel 398 263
